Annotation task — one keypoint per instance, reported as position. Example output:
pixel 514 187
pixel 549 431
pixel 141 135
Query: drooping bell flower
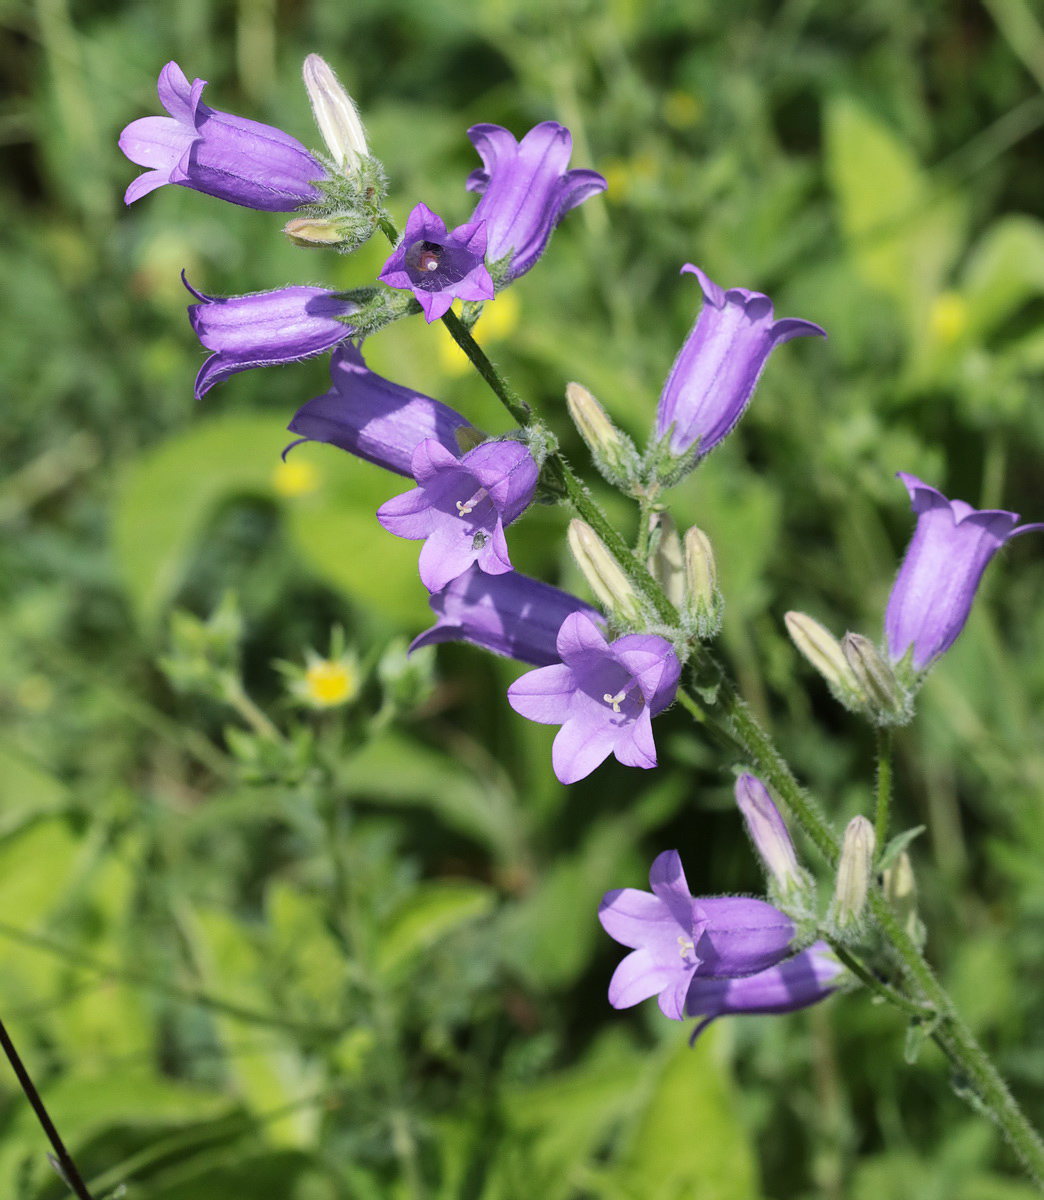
pixel 797 982
pixel 933 593
pixel 438 265
pixel 526 189
pixel 510 614
pixel 461 506
pixel 717 368
pixel 232 158
pixel 677 938
pixel 373 418
pixel 603 694
pixel 265 329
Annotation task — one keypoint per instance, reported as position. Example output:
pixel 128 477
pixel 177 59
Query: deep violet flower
pixel 373 418
pixel 932 595
pixel 214 152
pixel 797 982
pixel 265 329
pixel 438 265
pixel 526 189
pixel 509 614
pixel 603 694
pixel 460 507
pixel 676 938
pixel 717 368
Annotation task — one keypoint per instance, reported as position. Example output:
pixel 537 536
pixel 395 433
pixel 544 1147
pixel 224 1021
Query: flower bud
pixel 853 874
pixel 335 114
pixel 704 603
pixel 665 560
pixel 312 231
pixel 613 452
pixel 768 832
pixel 603 573
pixel 900 891
pixel 824 652
pixel 886 701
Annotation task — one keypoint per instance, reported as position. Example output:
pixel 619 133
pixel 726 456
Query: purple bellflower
pixel 768 831
pixel 265 329
pixel 509 614
pixel 229 157
pixel 460 507
pixel 603 694
pixel 797 982
pixel 676 938
pixel 526 189
pixel 717 368
pixel 933 593
pixel 373 418
pixel 437 265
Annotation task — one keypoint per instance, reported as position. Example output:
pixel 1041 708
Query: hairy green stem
pixel 884 786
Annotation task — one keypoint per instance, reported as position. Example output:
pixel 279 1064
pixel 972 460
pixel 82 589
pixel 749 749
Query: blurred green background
pixel 353 954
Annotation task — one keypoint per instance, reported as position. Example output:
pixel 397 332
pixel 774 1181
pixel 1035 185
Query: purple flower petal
pixel 637 978
pixel 244 162
pixel 932 596
pixel 714 375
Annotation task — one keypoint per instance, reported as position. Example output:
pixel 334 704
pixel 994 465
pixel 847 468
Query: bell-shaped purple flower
pixel 229 157
pixel 797 982
pixel 933 593
pixel 604 695
pixel 509 614
pixel 717 368
pixel 437 265
pixel 460 507
pixel 265 329
pixel 373 418
pixel 676 938
pixel 526 189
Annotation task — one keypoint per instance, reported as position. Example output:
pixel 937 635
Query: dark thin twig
pixel 68 1168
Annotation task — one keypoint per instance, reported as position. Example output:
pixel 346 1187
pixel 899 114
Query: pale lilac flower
pixel 795 983
pixel 460 507
pixel 526 189
pixel 373 418
pixel 768 830
pixel 677 938
pixel 437 265
pixel 265 329
pixel 951 547
pixel 604 695
pixel 509 614
pixel 229 157
pixel 717 368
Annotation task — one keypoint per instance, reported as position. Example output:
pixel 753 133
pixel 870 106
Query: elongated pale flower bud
pixel 666 563
pixel 312 231
pixel 900 889
pixel 768 832
pixel 335 113
pixel 824 652
pixel 613 452
pixel 853 874
pixel 887 704
pixel 704 603
pixel 603 573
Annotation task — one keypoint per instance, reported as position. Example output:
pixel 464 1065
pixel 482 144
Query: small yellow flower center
pixel 329 683
pixel 296 478
pixel 948 317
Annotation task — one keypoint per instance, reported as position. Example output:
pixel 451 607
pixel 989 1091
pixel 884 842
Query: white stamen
pixel 464 507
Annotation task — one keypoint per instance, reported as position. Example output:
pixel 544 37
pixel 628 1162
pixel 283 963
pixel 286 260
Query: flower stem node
pixel 887 702
pixel 704 604
pixel 613 452
pixel 824 652
pixel 604 575
pixel 853 878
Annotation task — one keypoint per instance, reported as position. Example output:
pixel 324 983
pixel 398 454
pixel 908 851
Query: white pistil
pixel 465 507
pixel 684 946
pixel 615 700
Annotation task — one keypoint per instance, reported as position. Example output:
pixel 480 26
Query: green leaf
pixel 1004 269
pixel 897 845
pixel 434 911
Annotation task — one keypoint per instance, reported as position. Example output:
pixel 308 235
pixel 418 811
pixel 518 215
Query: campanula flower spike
pixel 933 593
pixel 438 265
pixel 676 937
pixel 797 982
pixel 714 375
pixel 265 329
pixel 603 694
pixel 373 418
pixel 511 615
pixel 460 507
pixel 232 158
pixel 526 189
